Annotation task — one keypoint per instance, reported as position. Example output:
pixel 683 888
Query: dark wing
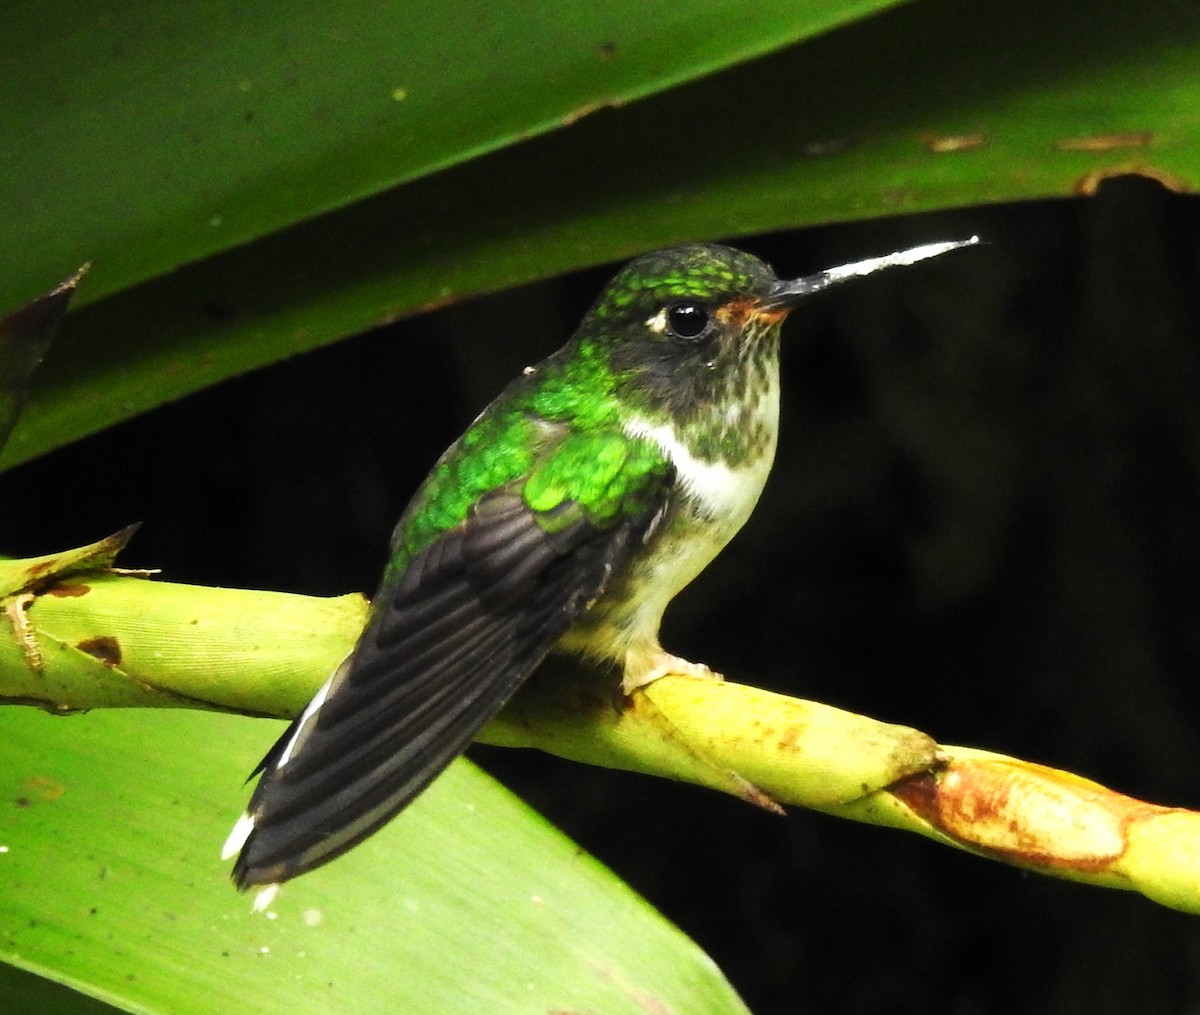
pixel 466 623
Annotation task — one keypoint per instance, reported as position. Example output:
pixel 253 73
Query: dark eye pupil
pixel 687 320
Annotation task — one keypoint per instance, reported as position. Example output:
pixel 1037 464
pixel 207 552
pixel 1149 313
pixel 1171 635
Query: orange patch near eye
pixel 740 312
pixel 772 316
pixel 736 312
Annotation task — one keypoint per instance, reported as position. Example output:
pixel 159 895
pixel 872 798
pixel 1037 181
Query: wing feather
pixel 449 641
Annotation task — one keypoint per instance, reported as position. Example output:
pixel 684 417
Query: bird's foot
pixel 642 668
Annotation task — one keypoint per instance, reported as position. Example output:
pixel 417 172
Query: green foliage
pixel 924 106
pixel 112 884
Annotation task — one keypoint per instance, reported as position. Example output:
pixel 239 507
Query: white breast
pixel 712 501
pixel 725 493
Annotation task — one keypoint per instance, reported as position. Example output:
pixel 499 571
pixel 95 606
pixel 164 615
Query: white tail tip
pixel 266 895
pixel 237 837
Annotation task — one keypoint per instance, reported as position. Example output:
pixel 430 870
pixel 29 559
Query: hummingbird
pixel 568 516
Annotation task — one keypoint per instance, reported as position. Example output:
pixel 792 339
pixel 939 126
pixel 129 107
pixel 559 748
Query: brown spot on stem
pixel 1026 814
pixel 68 591
pixel 105 648
pixel 790 737
pixel 919 792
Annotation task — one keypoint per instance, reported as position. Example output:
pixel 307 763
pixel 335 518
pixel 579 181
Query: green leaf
pixel 921 107
pixel 155 136
pixel 111 825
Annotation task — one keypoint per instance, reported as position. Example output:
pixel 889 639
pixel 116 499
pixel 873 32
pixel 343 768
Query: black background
pixel 984 522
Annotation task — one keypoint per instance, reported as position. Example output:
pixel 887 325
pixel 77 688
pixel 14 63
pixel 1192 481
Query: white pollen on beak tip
pixel 266 895
pixel 237 837
pixel 899 259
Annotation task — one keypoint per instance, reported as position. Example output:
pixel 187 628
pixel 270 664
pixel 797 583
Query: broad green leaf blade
pixel 923 107
pixel 148 136
pixel 111 824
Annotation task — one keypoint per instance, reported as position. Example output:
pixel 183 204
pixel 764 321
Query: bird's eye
pixel 687 320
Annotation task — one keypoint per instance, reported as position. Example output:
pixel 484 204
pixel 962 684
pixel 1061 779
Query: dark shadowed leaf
pixel 25 336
